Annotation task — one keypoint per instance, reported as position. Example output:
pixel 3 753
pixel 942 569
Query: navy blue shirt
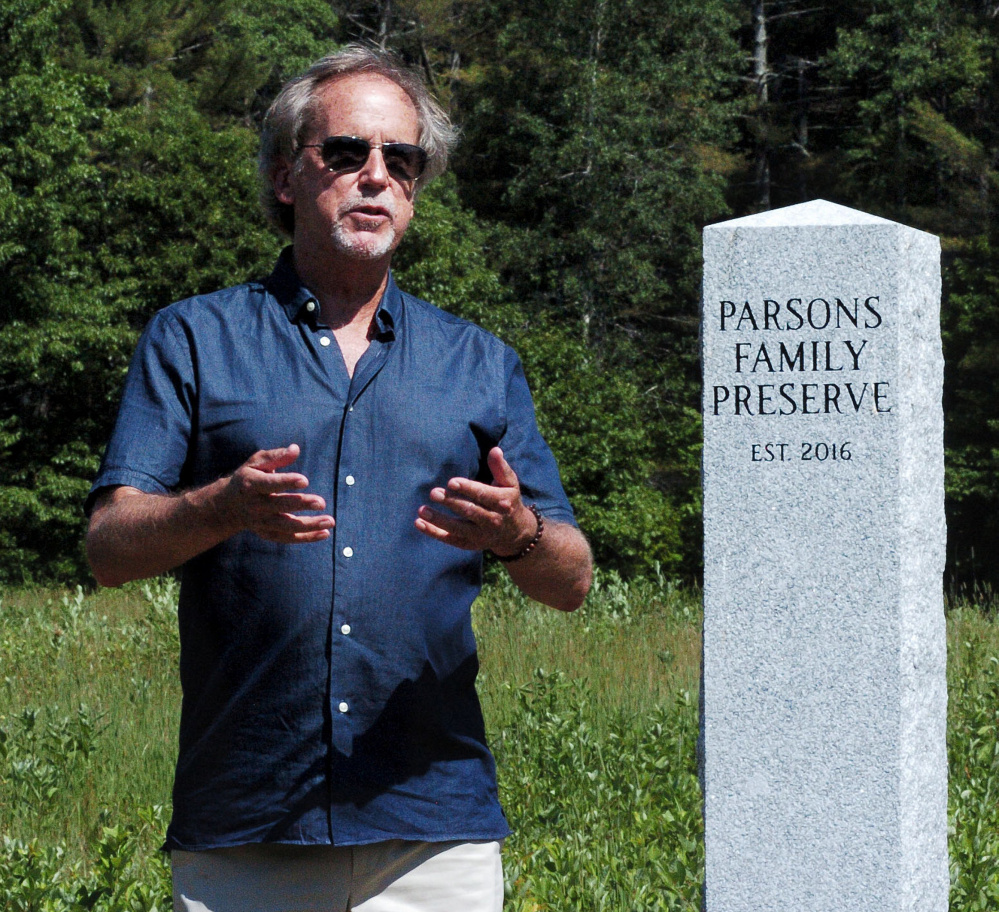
pixel 329 688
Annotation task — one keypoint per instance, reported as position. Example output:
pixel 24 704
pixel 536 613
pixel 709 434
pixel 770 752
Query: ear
pixel 281 180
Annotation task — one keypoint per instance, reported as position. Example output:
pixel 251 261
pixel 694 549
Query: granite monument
pixel 824 697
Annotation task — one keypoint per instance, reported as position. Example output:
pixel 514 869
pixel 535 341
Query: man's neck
pixel 349 290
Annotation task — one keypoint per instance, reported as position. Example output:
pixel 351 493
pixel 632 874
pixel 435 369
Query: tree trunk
pixel 761 78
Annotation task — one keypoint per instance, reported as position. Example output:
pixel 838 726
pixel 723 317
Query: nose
pixel 374 172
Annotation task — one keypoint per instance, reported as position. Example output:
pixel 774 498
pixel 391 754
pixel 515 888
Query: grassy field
pixel 592 716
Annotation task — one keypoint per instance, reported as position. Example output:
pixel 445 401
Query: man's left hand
pixel 481 516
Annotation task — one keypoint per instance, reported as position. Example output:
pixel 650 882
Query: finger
pixel 304 538
pixel 294 503
pixel 487 496
pixel 445 535
pixel 289 525
pixel 469 510
pixel 278 458
pixel 266 483
pixel 293 522
pixel 295 538
pixel 450 525
pixel 428 528
pixel 503 474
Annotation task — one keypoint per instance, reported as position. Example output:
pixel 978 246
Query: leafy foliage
pixel 971 334
pixel 599 137
pixel 916 69
pixel 127 877
pixel 973 751
pixel 589 126
pixel 642 801
pixel 113 207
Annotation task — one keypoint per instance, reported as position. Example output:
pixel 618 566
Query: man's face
pixel 362 214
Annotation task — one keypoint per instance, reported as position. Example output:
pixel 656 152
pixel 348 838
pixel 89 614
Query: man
pixel 326 458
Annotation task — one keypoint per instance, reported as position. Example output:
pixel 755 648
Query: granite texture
pixel 824 699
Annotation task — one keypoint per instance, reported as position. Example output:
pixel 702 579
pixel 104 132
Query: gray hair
pixel 289 118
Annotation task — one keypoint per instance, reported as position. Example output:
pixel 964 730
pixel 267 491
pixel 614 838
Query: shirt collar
pixel 294 297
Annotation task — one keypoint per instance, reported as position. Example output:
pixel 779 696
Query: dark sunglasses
pixel 347 154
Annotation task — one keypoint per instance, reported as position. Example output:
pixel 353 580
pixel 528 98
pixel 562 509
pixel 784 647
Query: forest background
pixel 598 138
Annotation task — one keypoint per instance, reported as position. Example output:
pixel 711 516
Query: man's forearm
pixel 135 535
pixel 558 571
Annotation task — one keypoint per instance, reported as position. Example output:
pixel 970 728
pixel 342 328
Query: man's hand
pixel 481 516
pixel 260 499
pixel 134 534
pixel 558 572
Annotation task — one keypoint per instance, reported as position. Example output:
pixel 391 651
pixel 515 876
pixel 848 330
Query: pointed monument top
pixel 813 213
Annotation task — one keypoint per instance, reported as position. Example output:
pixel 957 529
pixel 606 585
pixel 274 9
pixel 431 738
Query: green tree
pixel 913 72
pixel 919 119
pixel 971 344
pixel 127 180
pixel 786 130
pixel 53 329
pixel 596 134
pixel 899 98
pixel 599 129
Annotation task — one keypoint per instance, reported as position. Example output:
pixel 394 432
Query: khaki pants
pixel 393 876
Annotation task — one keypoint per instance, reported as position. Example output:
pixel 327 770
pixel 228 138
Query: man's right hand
pixel 258 498
pixel 134 534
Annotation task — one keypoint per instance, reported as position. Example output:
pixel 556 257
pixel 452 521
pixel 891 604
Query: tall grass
pixel 592 717
pixel 594 725
pixel 88 717
pixel 973 751
pixel 635 646
pixel 89 708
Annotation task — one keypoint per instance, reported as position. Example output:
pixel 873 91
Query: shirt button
pixel 324 341
pixel 311 306
pixel 349 479
pixel 348 552
pixel 345 629
pixel 343 707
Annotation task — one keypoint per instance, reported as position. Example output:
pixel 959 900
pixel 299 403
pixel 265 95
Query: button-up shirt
pixel 329 688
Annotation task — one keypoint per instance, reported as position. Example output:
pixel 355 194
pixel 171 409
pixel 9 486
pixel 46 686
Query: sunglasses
pixel 347 154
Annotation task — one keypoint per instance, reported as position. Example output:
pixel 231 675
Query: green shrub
pixel 606 814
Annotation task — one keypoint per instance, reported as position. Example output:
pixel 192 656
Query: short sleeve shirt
pixel 329 688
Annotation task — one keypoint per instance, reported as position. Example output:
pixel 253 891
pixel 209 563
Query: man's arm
pixel 134 534
pixel 480 517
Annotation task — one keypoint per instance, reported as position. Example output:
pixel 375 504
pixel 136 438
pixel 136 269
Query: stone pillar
pixel 825 693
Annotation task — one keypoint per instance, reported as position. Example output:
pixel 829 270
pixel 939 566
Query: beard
pixel 365 239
